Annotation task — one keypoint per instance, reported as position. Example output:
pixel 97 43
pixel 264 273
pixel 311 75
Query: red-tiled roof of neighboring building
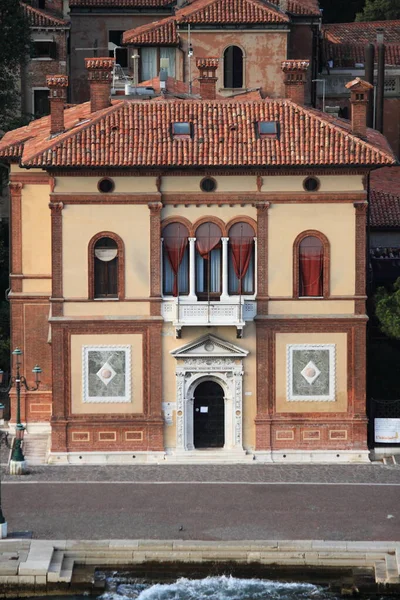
pixel 212 12
pixel 160 33
pixel 137 134
pixel 345 43
pixel 120 3
pixel 384 210
pixel 385 197
pixel 40 19
pixel 297 7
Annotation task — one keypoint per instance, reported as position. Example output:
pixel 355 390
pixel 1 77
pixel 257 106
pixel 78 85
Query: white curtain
pixel 170 54
pixel 148 62
pixel 199 273
pixel 215 270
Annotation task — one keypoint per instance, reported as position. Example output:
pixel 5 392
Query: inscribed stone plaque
pixel 311 372
pixel 106 373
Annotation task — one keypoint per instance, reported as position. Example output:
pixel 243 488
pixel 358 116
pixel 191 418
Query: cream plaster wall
pixel 136 405
pixel 36 230
pixel 88 185
pixel 281 402
pixel 190 334
pixel 36 286
pixel 309 307
pixel 106 308
pixel 286 221
pixel 263 52
pixel 328 183
pixel 82 222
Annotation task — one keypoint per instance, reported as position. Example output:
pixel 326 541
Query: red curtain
pixel 208 237
pixel 241 239
pixel 175 241
pixel 311 266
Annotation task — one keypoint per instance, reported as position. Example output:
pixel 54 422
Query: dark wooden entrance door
pixel 209 416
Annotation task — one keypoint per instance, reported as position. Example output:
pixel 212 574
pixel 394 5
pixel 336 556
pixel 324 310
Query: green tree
pixel 387 310
pixel 15 49
pixel 340 11
pixel 380 10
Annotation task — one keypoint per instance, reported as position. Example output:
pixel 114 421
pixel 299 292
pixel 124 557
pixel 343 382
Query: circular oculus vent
pixel 105 185
pixel 311 184
pixel 208 184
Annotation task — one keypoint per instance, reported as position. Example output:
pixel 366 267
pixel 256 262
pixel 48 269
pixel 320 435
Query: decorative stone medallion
pixel 310 372
pixel 106 373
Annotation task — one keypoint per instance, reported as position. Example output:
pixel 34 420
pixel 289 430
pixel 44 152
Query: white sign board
pixel 387 431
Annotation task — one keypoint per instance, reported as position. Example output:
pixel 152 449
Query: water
pixel 216 588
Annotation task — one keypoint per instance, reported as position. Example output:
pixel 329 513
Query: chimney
pixel 57 85
pixel 295 79
pixel 208 79
pixel 100 74
pixel 359 91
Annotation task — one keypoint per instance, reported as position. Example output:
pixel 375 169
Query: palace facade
pixel 190 273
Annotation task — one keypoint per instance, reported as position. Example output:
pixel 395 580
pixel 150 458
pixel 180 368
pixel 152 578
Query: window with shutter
pixel 105 268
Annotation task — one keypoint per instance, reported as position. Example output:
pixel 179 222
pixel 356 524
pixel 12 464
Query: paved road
pixel 210 502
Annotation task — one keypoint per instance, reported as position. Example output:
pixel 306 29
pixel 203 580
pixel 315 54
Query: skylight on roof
pixel 181 129
pixel 268 129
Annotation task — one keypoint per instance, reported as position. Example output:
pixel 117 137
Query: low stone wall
pixel 29 567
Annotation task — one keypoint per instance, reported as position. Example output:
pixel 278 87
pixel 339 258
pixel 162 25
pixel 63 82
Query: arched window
pixel 241 259
pixel 311 268
pixel 208 261
pixel 233 67
pixel 105 268
pixel 175 260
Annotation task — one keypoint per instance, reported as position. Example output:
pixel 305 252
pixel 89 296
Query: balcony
pixel 184 312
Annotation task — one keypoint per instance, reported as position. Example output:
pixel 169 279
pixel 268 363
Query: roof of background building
pixel 345 43
pixel 39 18
pixel 134 133
pixel 212 12
pixel 385 198
pixel 297 7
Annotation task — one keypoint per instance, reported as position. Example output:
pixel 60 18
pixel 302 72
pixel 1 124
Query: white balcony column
pixel 192 270
pixel 224 293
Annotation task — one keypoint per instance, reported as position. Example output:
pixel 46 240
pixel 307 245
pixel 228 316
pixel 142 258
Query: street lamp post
pixel 17 462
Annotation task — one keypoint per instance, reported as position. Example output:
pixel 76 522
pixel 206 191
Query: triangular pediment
pixel 209 345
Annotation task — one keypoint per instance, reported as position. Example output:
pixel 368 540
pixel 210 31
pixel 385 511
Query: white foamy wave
pixel 216 588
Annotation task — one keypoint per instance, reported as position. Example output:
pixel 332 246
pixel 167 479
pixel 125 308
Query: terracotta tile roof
pixel 120 3
pixel 39 18
pixel 384 209
pixel 160 33
pixel 386 179
pixel 298 7
pixel 137 133
pixel 230 11
pixel 345 43
pixel 213 12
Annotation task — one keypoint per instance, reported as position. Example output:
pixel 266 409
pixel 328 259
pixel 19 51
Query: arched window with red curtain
pixel 175 260
pixel 241 259
pixel 208 261
pixel 311 267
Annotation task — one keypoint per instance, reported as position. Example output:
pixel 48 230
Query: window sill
pixel 310 298
pixel 42 58
pixel 105 300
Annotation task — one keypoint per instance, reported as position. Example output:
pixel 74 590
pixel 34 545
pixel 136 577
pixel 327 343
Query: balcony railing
pixel 218 313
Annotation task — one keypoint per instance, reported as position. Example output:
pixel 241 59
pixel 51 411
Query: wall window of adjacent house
pixel 208 261
pixel 152 59
pixel 241 259
pixel 311 265
pixel 41 105
pixel 44 49
pixel 175 260
pixel 233 67
pixel 121 54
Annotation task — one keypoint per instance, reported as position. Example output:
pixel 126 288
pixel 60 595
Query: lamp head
pixel 17 352
pixel 190 51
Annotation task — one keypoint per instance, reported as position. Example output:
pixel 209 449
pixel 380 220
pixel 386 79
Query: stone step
pixel 66 570
pixel 55 566
pixel 35 449
pixel 392 568
pixel 38 560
